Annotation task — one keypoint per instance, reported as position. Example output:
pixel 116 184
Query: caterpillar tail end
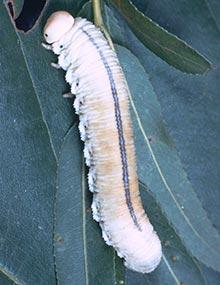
pixel 146 262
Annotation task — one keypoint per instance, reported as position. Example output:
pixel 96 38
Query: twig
pixel 97 11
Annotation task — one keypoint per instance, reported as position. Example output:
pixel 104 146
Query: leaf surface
pixel 28 171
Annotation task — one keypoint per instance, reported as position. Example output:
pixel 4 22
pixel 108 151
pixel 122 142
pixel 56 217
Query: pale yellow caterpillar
pixel 97 80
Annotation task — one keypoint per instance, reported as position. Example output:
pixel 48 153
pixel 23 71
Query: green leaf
pixel 190 105
pixel 28 171
pixel 81 253
pixel 164 44
pixel 161 170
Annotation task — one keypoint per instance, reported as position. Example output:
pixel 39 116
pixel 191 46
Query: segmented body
pixel 97 80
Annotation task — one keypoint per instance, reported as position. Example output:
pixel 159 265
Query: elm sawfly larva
pixel 102 103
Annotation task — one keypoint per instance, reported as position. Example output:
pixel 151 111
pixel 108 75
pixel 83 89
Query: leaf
pixel 81 253
pixel 189 104
pixel 160 168
pixel 176 267
pixel 28 171
pixel 181 192
pixel 164 44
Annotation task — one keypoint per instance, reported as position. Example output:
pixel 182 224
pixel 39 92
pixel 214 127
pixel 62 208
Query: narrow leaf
pixel 164 44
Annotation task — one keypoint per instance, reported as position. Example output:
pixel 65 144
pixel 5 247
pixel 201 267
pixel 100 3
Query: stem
pixel 97 11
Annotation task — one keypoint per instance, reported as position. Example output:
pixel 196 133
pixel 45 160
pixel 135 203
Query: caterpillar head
pixel 58 24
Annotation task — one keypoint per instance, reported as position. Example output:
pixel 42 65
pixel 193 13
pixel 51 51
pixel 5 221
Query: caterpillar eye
pixel 61 46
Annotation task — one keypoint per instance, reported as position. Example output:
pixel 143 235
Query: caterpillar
pixel 102 103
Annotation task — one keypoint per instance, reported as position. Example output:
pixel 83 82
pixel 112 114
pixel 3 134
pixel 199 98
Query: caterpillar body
pixel 102 103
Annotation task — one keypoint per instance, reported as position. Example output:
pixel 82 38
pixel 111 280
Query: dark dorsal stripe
pixel 120 131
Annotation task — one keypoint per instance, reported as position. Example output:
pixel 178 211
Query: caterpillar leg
pixel 55 65
pixel 48 47
pixel 68 95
